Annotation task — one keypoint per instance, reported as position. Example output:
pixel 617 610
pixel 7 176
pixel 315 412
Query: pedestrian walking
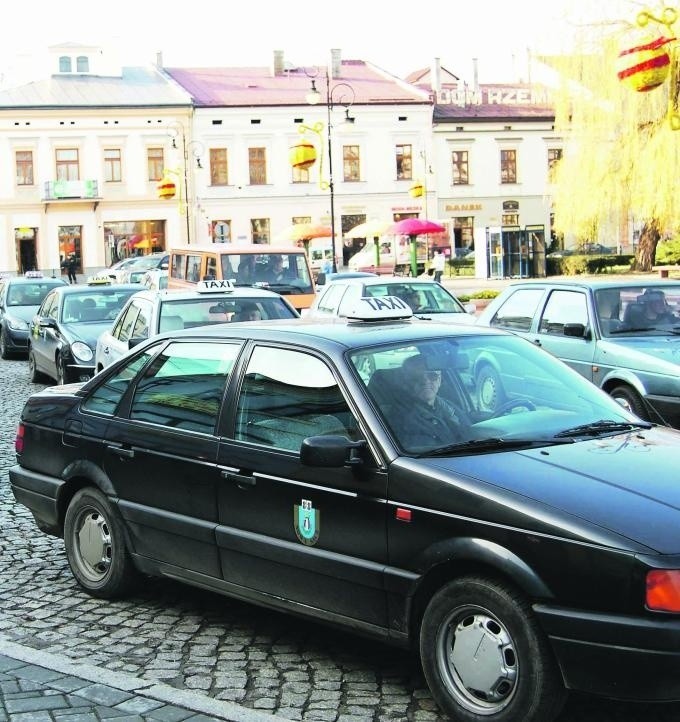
pixel 71 265
pixel 438 263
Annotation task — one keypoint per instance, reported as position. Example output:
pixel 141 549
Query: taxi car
pixel 148 313
pixel 428 299
pixel 66 326
pixel 521 552
pixel 20 297
pixel 623 336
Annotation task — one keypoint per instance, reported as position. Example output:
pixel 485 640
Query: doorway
pixel 26 254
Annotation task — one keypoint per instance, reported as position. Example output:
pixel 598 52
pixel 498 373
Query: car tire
pixel 485 657
pixel 33 374
pixel 62 372
pixel 631 400
pixel 490 394
pixel 95 545
pixel 4 352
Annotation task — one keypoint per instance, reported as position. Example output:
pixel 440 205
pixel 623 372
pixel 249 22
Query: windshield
pixel 28 294
pixel 222 309
pixel 482 393
pixel 282 272
pixel 648 309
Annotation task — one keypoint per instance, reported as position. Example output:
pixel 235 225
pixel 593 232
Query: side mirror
pixel 330 452
pixel 470 308
pixel 135 341
pixel 576 330
pixel 47 322
pixel 321 279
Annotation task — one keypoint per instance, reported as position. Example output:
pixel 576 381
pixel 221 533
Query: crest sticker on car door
pixel 307 522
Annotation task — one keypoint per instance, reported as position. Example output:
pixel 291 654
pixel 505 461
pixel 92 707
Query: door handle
pixel 120 451
pixel 537 342
pixel 241 480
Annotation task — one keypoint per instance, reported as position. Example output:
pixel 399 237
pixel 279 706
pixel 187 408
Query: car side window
pixel 563 307
pixel 122 329
pixel 288 396
pixel 330 299
pixel 183 386
pixel 51 307
pixel 518 311
pixel 105 399
pixel 349 300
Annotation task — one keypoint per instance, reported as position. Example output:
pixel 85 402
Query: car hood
pixel 24 313
pixel 627 484
pixel 88 332
pixel 662 352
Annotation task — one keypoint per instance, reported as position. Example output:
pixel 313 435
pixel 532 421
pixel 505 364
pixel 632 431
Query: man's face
pixel 425 382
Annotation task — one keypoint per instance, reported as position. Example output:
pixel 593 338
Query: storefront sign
pixel 463 207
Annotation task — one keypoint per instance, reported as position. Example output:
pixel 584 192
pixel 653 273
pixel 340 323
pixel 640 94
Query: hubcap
pixel 477 660
pixel 94 546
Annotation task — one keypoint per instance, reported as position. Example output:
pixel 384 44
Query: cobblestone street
pixel 211 645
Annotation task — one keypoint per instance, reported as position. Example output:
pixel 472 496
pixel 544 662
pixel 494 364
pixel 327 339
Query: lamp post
pixel 334 95
pixel 177 130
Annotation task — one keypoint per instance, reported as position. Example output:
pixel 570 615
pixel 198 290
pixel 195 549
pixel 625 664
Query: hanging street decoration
pixel 653 60
pixel 302 155
pixel 166 187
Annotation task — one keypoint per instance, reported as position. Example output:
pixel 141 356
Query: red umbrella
pixel 413 227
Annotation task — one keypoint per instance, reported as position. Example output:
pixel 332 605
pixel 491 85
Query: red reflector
pixel 19 441
pixel 403 514
pixel 663 590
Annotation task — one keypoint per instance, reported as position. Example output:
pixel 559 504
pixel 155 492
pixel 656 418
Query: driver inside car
pixel 427 419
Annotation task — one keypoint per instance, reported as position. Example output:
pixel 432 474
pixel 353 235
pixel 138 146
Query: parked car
pixel 602 329
pixel 116 270
pixel 428 299
pixel 521 551
pixel 156 279
pixel 148 313
pixel 20 297
pixel 325 278
pixel 134 272
pixel 65 328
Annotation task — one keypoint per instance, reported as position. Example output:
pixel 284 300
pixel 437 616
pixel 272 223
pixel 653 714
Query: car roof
pixel 35 279
pixel 594 283
pixel 169 294
pixel 68 289
pixel 328 334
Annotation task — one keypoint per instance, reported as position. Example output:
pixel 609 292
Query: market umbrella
pixel 371 229
pixel 413 227
pixel 303 232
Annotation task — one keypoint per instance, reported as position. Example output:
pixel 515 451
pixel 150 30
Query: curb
pixel 158 691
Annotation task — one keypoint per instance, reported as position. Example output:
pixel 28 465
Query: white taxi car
pixel 151 312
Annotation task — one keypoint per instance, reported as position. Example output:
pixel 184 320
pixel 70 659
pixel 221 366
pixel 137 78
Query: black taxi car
pixel 66 326
pixel 352 473
pixel 20 297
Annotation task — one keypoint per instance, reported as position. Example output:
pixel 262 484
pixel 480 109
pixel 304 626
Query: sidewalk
pixel 37 686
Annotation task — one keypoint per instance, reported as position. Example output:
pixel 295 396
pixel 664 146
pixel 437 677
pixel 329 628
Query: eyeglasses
pixel 429 375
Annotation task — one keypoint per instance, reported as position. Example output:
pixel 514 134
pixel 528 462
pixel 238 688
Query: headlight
pixel 81 351
pixel 16 324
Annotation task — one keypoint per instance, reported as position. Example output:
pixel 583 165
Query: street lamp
pixel 193 147
pixel 337 94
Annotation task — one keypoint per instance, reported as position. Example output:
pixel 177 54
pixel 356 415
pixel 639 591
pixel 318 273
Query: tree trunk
pixel 646 251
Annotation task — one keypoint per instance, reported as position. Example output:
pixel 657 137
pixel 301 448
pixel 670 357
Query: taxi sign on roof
pixel 33 274
pixel 380 308
pixel 214 284
pixel 98 280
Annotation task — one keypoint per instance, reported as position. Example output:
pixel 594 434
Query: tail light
pixel 663 590
pixel 19 440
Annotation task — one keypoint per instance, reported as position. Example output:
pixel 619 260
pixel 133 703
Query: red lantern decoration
pixel 302 155
pixel 166 188
pixel 645 67
pixel 416 190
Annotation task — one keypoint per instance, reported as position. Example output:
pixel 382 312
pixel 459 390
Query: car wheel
pixel 95 545
pixel 33 374
pixel 630 400
pixel 4 353
pixel 485 657
pixel 62 373
pixel 490 395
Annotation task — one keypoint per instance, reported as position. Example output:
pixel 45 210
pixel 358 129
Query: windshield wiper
pixel 493 444
pixel 632 329
pixel 603 426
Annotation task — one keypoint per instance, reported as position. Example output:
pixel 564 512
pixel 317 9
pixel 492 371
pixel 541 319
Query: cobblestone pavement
pixel 190 640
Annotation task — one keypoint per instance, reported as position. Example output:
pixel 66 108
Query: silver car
pixel 623 336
